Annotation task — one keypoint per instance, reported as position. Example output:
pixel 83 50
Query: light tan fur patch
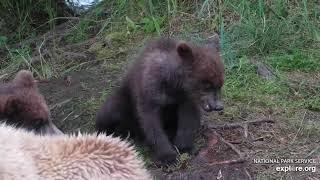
pixel 28 156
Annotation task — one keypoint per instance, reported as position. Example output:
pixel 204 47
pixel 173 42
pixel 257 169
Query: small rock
pixel 262 70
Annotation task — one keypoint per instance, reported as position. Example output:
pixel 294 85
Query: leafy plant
pixel 152 24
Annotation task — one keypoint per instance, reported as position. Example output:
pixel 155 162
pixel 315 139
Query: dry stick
pixel 3 75
pixel 245 129
pixel 248 174
pixel 232 161
pixel 241 158
pixel 60 104
pixel 230 145
pixel 67 116
pixel 313 151
pixel 241 124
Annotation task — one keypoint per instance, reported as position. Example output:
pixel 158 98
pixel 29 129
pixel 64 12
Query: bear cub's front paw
pixel 183 143
pixel 166 157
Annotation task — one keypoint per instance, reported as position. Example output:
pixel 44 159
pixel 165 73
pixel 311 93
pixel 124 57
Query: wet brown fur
pixel 160 95
pixel 22 105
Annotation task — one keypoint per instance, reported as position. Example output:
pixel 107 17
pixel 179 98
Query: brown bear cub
pixel 22 105
pixel 161 95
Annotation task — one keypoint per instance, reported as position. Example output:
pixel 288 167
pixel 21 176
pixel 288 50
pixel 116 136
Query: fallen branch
pixel 242 156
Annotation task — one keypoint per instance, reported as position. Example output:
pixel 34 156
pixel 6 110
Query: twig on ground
pixel 313 151
pixel 3 75
pixel 232 161
pixel 236 150
pixel 244 125
pixel 248 174
pixel 67 116
pixel 240 124
pixel 241 159
pixel 261 138
pixel 245 129
pixel 60 104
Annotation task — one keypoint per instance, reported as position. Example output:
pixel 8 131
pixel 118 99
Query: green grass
pixel 80 32
pixel 297 60
pixel 22 18
pixel 244 85
pixel 21 59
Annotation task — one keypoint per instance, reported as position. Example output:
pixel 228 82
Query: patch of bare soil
pixel 74 96
pixel 66 97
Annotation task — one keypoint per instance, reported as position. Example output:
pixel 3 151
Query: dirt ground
pixel 66 100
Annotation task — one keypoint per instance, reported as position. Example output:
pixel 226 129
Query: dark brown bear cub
pixel 161 95
pixel 22 105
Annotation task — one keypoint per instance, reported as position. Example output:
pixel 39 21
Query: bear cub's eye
pixel 208 86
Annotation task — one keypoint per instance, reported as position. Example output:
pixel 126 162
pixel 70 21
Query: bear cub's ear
pixel 25 78
pixel 13 106
pixel 184 51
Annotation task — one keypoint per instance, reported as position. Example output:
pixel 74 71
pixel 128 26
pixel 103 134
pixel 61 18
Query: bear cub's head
pixel 205 72
pixel 22 105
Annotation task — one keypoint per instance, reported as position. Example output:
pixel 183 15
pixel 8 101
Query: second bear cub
pixel 161 94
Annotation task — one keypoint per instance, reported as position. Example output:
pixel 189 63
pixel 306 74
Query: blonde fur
pixel 27 156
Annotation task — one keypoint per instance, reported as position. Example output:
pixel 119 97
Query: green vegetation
pixel 80 32
pixel 284 35
pixel 303 61
pixel 23 18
